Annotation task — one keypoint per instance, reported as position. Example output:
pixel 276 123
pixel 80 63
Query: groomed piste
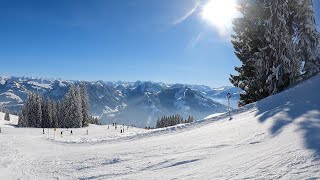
pixel 278 137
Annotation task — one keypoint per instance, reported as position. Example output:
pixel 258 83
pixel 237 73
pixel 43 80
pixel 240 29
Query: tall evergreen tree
pixel 54 113
pixel 72 103
pixel 247 42
pixel 7 116
pixel 279 55
pixel 45 115
pixel 307 36
pixel 273 39
pixel 68 113
pixel 38 110
pixel 84 104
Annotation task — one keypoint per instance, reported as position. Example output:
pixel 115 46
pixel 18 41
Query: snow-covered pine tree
pixel 78 112
pixel 72 104
pixel 38 110
pixel 84 104
pixel 248 39
pixel 21 120
pixel 45 116
pixel 67 108
pixel 49 111
pixel 31 110
pixel 272 39
pixel 54 115
pixel 7 116
pixel 307 37
pixel 282 64
pixel 158 123
pixel 61 113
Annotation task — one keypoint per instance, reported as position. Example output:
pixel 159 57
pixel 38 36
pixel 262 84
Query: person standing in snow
pixel 42 130
pixel 61 134
pixel 71 132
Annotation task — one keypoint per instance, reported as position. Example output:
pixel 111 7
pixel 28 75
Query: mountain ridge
pixel 139 103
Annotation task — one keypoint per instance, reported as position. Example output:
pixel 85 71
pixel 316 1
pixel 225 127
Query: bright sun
pixel 219 13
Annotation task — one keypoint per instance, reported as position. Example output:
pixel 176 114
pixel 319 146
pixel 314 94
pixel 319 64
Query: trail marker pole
pixel 54 133
pixel 229 111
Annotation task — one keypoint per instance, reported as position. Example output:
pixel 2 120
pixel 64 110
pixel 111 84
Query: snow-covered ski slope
pixel 277 138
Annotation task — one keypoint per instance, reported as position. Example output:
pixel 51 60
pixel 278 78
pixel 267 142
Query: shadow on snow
pixel 302 101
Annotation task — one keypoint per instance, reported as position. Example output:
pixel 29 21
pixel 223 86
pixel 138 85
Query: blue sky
pixel 110 40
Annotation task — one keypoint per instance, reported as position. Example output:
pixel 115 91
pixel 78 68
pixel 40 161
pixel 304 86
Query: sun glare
pixel 219 13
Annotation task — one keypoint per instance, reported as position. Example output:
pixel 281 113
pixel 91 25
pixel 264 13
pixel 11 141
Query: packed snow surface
pixel 12 123
pixel 276 138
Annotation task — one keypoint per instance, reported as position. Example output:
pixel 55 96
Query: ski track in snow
pixel 266 140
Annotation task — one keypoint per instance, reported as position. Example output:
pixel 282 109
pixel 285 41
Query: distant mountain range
pixel 139 103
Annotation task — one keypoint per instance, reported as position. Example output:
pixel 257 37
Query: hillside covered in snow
pixel 276 138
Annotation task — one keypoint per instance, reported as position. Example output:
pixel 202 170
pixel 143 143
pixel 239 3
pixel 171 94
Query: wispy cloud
pixel 188 13
pixel 194 41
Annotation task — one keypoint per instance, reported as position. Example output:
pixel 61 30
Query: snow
pixel 2 81
pixel 8 124
pixel 11 95
pixel 213 115
pixel 37 84
pixel 276 138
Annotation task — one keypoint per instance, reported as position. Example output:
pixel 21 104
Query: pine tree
pixel 307 37
pixel 61 114
pixel 7 116
pixel 55 122
pixel 273 39
pixel 45 116
pixel 49 111
pixel 38 111
pixel 279 55
pixel 72 104
pixel 21 120
pixel 84 104
pixel 78 106
pixel 247 42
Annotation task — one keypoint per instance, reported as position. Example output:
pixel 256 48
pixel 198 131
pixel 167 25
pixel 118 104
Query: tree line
pixel 277 43
pixel 173 120
pixel 71 112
